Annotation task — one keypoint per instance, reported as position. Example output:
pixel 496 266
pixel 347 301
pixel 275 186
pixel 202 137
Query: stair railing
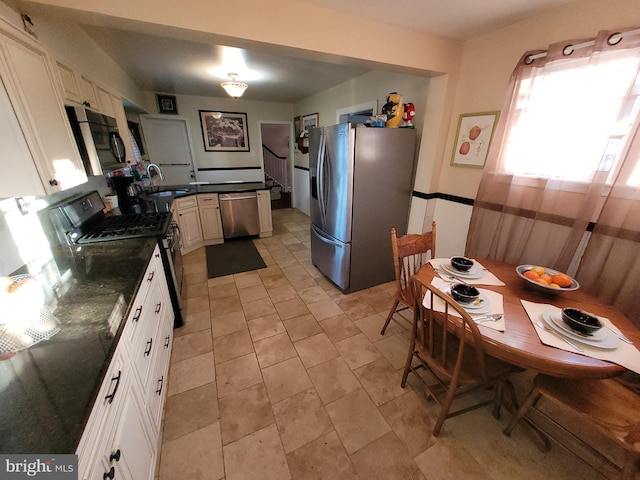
pixel 276 168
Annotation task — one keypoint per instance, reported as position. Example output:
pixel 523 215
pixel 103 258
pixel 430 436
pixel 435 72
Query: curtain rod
pixel 568 50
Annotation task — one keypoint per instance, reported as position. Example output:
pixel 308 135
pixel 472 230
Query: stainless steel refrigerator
pixel 361 184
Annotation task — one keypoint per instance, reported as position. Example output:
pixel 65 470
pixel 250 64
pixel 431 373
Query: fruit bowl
pixel 521 270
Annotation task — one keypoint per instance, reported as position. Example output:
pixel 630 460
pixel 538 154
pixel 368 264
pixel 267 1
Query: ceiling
pixel 171 62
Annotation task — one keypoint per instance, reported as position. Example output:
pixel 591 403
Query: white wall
pixel 228 165
pixel 487 63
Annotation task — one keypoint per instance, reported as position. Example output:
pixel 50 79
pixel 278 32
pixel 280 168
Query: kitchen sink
pixel 160 200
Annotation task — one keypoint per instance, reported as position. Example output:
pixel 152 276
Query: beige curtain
pixel 542 216
pixel 610 266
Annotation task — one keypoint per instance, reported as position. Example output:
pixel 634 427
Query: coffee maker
pixel 121 186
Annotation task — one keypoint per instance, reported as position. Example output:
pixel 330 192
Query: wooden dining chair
pixel 452 349
pixel 410 252
pixel 607 404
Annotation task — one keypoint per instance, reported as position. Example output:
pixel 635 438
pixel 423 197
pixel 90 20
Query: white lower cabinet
pixel 122 436
pixel 210 218
pixel 128 453
pixel 189 223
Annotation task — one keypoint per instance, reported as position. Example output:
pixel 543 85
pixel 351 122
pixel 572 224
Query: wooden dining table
pixel 519 343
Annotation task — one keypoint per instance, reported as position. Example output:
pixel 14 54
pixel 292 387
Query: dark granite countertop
pixel 47 391
pixel 159 198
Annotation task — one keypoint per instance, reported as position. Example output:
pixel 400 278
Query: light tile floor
pixel 277 375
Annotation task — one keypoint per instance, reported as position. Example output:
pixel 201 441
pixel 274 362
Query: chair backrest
pixel 410 252
pixel 448 343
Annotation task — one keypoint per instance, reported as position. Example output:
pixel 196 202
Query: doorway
pixel 169 146
pixel 277 161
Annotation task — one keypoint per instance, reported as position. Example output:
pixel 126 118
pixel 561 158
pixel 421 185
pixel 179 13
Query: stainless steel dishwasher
pixel 239 213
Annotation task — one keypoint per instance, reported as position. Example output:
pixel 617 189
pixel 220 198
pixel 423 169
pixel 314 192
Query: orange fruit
pixel 542 281
pixel 546 277
pixel 562 279
pixel 531 275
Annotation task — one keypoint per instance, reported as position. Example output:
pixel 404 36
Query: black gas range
pixel 81 220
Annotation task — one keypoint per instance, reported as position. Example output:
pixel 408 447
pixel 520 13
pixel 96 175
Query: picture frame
pixel 473 139
pixel 167 104
pixel 308 122
pixel 226 133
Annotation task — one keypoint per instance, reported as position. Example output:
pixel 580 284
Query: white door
pixel 168 141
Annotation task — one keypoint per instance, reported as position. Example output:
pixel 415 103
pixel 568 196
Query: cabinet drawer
pixel 153 275
pixel 145 350
pixel 156 391
pixel 207 199
pixel 184 203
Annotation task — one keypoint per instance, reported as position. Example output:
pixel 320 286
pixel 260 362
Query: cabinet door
pixel 129 452
pixel 210 217
pixel 189 222
pixel 69 84
pixel 264 213
pixel 34 93
pixel 105 102
pixel 88 93
pixel 20 174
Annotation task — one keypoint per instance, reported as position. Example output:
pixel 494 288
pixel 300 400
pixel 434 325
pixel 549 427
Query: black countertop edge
pixel 194 189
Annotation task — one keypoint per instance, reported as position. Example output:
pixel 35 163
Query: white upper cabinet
pixel 31 87
pixel 70 84
pixel 80 90
pixel 88 93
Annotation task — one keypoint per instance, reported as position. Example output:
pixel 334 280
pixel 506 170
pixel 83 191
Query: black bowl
pixel 581 321
pixel 462 293
pixel 461 263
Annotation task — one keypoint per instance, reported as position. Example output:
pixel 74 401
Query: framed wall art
pixel 167 104
pixel 473 139
pixel 309 121
pixel 224 131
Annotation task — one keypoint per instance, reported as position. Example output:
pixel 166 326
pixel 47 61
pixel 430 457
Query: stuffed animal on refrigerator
pixel 409 113
pixel 394 110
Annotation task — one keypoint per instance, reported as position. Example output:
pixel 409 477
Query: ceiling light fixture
pixel 233 88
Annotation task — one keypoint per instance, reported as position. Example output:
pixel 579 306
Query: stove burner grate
pixel 124 227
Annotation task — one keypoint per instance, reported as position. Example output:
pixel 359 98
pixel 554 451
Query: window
pixel 572 118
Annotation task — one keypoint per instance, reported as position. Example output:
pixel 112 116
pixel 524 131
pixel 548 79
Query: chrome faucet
pixel 157 170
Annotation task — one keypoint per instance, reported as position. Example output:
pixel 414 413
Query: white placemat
pixel 494 297
pixel 487 277
pixel 625 355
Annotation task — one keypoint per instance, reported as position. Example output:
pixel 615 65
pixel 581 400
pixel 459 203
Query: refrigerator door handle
pixel 320 179
pixel 321 159
pixel 324 239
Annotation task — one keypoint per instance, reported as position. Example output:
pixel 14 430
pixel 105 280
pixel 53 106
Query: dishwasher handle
pixel 231 199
